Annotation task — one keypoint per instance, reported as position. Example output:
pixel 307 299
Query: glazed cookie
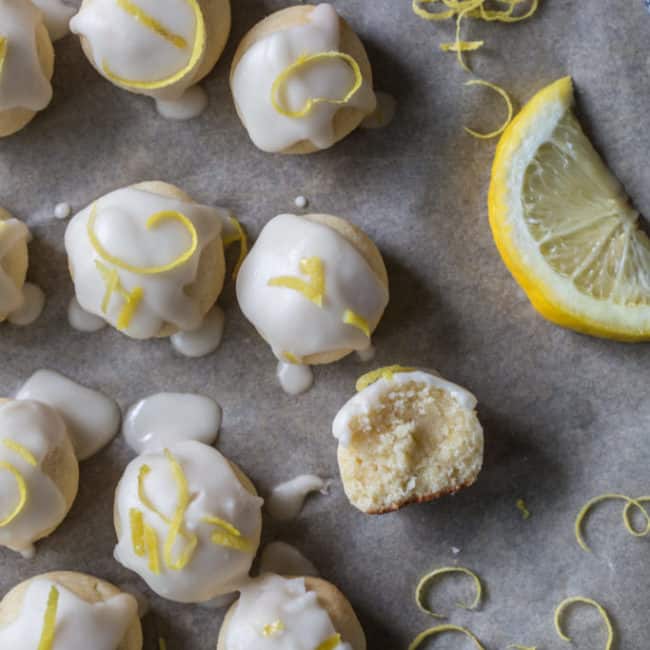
pixel 69 611
pixel 274 612
pixel 315 288
pixel 26 64
pixel 147 259
pixel 407 436
pixel 14 259
pixel 159 48
pixel 39 473
pixel 301 80
pixel 188 522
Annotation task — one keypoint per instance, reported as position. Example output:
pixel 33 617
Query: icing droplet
pixel 367 354
pixel 285 560
pixel 384 113
pixel 164 419
pixel 91 417
pixel 28 552
pixel 30 310
pixel 301 202
pixel 82 320
pixel 188 106
pixel 62 210
pixel 286 499
pixel 294 378
pixel 204 340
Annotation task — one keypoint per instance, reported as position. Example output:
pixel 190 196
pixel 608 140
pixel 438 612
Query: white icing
pixel 31 308
pixel 383 115
pixel 370 397
pixel 23 83
pixel 56 15
pixel 289 321
pixel 162 420
pixel 134 51
pixel 120 227
pixel 301 202
pixel 82 320
pixel 91 417
pixel 204 340
pixel 286 499
pixel 40 430
pixel 62 210
pixel 367 354
pixel 103 624
pixel 13 233
pixel 213 569
pixel 188 106
pixel 294 378
pixel 305 624
pixel 287 560
pixel 261 64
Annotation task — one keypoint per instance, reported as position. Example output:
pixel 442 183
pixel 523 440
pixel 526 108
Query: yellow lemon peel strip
pixel 426 580
pixel 313 290
pixel 49 620
pixel 465 46
pixel 352 318
pixel 506 98
pixel 131 299
pixel 3 52
pixel 152 222
pixel 136 521
pixel 22 451
pixel 330 643
pixel 228 535
pixel 291 358
pixel 584 601
pixel 151 23
pixel 419 10
pixel 584 511
pixel 151 544
pixel 177 520
pixel 441 629
pixel 516 646
pixel 459 46
pixel 198 49
pixel 273 628
pixel 506 16
pixel 307 59
pixel 22 492
pixel 627 520
pixel 387 372
pixel 521 506
pixel 241 237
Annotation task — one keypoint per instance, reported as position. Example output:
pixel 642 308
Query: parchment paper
pixel 566 417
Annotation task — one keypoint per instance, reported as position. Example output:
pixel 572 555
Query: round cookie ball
pixel 13 263
pixel 15 118
pixel 202 292
pixel 34 447
pixel 156 44
pixel 77 589
pixel 329 598
pixel 258 63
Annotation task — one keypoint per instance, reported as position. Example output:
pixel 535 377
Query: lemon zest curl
pixel 426 580
pixel 584 601
pixel 441 629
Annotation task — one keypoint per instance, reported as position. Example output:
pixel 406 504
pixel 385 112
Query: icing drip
pixel 29 431
pixel 91 417
pixel 275 612
pixel 23 83
pixel 12 233
pixel 160 43
pixel 286 499
pixel 384 113
pixel 369 397
pixel 294 378
pixel 62 210
pixel 266 60
pixel 301 202
pixel 293 323
pixel 287 560
pixel 77 621
pixel 204 340
pixel 82 320
pixel 189 105
pixel 56 15
pixel 133 253
pixel 367 354
pixel 31 308
pixel 204 525
pixel 162 420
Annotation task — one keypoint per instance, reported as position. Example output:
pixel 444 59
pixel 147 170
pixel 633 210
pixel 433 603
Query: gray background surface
pixel 566 417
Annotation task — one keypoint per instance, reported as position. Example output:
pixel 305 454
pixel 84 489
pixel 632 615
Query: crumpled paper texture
pixel 566 417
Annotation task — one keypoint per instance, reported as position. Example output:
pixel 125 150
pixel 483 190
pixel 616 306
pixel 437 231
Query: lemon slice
pixel 564 226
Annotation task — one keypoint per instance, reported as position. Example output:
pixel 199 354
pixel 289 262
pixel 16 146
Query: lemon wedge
pixel 564 226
